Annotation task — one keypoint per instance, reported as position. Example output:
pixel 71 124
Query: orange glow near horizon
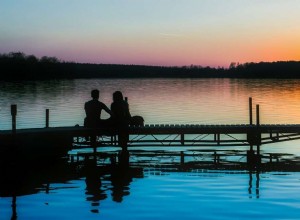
pixel 168 33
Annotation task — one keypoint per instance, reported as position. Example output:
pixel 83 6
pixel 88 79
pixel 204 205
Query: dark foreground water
pixel 63 192
pixel 86 191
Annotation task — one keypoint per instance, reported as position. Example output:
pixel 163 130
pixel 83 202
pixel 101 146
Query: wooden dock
pixel 163 135
pixel 59 140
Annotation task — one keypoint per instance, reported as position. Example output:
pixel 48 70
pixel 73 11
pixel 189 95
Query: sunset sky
pixel 153 32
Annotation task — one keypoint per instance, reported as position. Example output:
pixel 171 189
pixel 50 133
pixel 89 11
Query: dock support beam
pixel 94 145
pixel 181 158
pixel 216 158
pixel 217 138
pixel 253 160
pixel 124 158
pixel 182 139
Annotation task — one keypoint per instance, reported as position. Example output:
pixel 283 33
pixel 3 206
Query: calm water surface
pixel 154 193
pixel 204 101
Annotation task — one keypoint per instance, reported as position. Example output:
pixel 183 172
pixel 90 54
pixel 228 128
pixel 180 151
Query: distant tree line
pixel 19 66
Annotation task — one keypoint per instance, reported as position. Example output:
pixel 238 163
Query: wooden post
pixel 112 159
pixel 258 145
pixel 257 115
pixel 215 157
pixel 94 144
pixel 250 111
pixel 13 110
pixel 47 118
pixel 182 139
pixel 181 158
pixel 258 150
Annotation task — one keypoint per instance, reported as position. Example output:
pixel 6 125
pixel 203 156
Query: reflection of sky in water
pixel 204 101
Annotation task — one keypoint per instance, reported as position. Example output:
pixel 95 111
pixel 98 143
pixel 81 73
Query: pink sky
pixel 168 33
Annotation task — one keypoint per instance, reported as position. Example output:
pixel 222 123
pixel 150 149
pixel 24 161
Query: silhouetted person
pixel 93 109
pixel 121 117
pixel 120 109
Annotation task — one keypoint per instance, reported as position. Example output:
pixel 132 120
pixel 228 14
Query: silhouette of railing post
pixel 47 118
pixel 258 160
pixel 250 117
pixel 254 137
pixel 13 110
pixel 257 115
pixel 250 111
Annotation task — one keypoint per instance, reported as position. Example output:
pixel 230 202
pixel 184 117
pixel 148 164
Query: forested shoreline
pixel 19 66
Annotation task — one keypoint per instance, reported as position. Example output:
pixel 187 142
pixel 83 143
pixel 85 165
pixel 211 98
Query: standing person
pixel 93 110
pixel 121 117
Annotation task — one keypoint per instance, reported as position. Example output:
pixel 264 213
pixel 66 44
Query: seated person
pixel 120 110
pixel 93 110
pixel 121 118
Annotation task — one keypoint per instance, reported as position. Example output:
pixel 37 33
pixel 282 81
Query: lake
pixel 61 191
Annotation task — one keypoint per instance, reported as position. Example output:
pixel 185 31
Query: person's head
pixel 95 94
pixel 117 96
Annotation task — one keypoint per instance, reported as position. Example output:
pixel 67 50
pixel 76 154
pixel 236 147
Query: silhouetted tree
pixel 17 65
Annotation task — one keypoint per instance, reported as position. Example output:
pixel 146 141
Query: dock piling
pixel 215 157
pixel 47 118
pixel 13 110
pixel 250 111
pixel 182 139
pixel 257 115
pixel 181 158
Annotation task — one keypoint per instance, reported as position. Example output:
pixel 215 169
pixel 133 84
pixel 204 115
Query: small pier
pixel 59 140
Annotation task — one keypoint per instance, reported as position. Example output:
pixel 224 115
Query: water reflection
pixel 102 182
pixel 250 189
pixel 120 178
pixel 112 182
pixel 117 179
pixel 94 192
pixel 21 178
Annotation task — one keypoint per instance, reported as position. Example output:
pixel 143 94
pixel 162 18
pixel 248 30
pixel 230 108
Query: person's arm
pixel 105 108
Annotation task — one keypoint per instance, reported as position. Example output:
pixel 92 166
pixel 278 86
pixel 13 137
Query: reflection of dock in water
pixel 105 180
pixel 191 160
